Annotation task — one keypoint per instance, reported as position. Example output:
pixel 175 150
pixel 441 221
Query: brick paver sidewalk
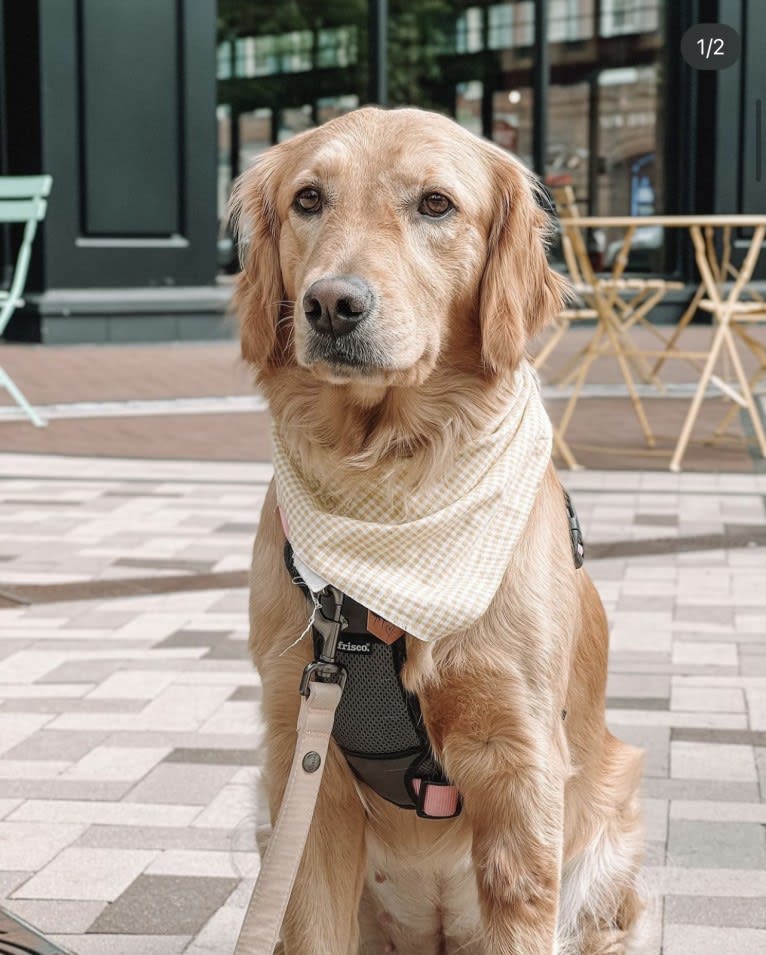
pixel 128 724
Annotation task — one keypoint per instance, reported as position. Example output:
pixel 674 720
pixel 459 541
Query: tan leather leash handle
pixel 266 909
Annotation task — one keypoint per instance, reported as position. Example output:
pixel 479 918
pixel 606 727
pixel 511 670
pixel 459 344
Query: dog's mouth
pixel 349 356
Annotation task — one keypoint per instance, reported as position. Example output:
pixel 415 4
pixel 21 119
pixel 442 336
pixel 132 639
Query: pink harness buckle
pixel 436 800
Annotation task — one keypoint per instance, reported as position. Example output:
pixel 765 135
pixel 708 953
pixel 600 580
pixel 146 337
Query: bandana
pixel 428 561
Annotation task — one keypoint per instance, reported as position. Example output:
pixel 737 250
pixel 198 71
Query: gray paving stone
pixel 164 905
pixel 693 734
pixel 193 638
pixel 656 520
pixel 182 783
pixel 156 837
pixel 228 649
pixel 704 614
pixel 63 789
pixel 214 757
pixel 161 563
pixel 243 693
pixel 57 745
pixel 637 703
pixel 725 845
pixel 83 671
pixel 716 790
pixel 55 704
pixel 654 740
pixel 707 910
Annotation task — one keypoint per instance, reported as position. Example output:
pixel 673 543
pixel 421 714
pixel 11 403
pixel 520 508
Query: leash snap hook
pixel 325 669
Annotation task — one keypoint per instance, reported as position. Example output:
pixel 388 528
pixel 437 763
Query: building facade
pixel 116 100
pixel 119 102
pixel 630 125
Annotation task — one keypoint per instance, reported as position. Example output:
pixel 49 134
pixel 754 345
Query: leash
pixel 321 688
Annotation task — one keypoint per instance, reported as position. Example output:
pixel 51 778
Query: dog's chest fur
pixel 424 904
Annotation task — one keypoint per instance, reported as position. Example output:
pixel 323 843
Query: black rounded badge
pixel 710 46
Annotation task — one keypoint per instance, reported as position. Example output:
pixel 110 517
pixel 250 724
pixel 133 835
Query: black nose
pixel 336 305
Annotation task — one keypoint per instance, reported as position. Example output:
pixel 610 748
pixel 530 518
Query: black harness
pixel 378 724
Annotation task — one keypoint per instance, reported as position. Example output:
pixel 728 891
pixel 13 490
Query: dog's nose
pixel 336 305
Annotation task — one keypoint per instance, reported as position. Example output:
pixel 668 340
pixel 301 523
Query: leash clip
pixel 325 669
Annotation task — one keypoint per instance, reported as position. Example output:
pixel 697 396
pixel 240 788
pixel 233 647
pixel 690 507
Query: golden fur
pixel 544 857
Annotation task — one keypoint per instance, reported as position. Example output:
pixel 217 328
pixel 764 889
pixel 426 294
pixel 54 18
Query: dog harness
pixel 378 724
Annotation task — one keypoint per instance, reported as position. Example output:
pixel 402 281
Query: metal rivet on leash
pixel 312 761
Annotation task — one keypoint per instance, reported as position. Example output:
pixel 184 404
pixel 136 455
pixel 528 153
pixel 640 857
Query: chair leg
pixel 592 352
pixel 687 316
pixel 691 415
pixel 747 394
pixel 725 422
pixel 571 367
pixel 628 378
pixel 7 382
pixel 560 445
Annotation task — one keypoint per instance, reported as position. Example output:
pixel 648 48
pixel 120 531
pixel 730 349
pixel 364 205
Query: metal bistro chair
pixel 22 201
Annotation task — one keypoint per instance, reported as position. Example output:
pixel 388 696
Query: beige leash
pixel 266 910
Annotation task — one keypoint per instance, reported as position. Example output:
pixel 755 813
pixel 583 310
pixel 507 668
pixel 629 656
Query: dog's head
pixel 378 242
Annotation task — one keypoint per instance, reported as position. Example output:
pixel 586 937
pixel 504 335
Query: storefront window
pixel 619 17
pixel 628 142
pixel 468 105
pixel 567 159
pixel 512 122
pixel 474 60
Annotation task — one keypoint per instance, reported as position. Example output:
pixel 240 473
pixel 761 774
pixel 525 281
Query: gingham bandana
pixel 428 561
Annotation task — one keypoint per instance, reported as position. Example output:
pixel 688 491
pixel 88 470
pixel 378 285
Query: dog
pixel 394 271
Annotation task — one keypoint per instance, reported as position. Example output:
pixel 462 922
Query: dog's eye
pixel 435 205
pixel 308 200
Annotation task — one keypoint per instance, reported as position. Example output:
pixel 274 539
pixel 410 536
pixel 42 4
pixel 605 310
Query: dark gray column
pixel 541 79
pixel 378 51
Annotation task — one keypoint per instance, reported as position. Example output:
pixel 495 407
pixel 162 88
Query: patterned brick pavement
pixel 128 724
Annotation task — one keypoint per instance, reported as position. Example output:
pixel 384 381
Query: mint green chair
pixel 22 200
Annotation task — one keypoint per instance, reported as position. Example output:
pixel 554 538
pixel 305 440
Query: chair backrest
pixel 23 197
pixel 573 241
pixel 22 200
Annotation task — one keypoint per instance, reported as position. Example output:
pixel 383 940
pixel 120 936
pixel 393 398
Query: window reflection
pixel 303 64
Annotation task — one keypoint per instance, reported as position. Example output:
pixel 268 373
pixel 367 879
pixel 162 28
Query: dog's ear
pixel 519 291
pixel 259 293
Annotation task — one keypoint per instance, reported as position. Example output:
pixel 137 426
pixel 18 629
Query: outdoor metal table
pixel 725 305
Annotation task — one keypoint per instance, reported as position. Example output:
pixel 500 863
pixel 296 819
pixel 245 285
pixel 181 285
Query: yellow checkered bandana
pixel 428 561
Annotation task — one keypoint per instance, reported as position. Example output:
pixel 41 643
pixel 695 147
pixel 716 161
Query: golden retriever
pixel 444 234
